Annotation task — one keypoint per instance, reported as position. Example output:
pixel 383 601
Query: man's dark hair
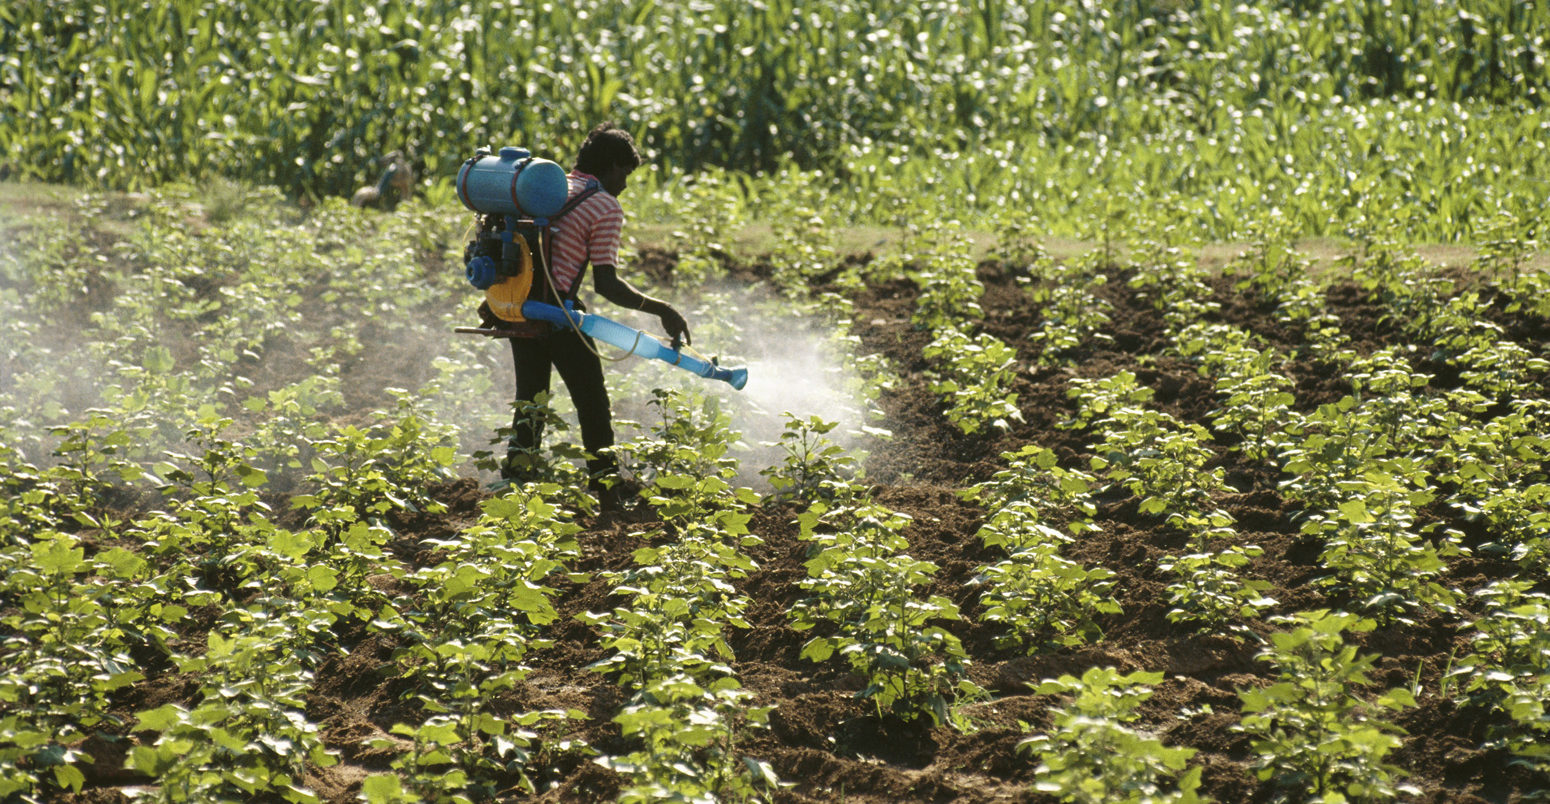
pixel 607 145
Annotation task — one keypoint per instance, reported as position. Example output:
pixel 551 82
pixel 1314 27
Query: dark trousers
pixel 569 353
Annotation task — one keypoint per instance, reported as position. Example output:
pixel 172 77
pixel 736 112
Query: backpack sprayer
pixel 518 197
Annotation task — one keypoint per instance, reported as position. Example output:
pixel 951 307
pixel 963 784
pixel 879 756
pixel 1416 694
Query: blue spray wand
pixel 631 340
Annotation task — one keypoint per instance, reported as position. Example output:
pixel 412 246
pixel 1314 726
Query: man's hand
pixel 676 326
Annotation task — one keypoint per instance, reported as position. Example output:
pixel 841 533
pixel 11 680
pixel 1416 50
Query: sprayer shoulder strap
pixel 575 201
pixel 588 191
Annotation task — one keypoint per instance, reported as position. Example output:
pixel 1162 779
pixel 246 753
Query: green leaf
pixel 58 555
pixel 69 776
pixel 290 545
pixel 158 360
pixel 818 649
pixel 251 477
pixel 149 760
pixel 1355 512
pixel 383 788
pixel 322 578
pixel 162 718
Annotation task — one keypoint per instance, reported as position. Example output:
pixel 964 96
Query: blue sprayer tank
pixel 512 183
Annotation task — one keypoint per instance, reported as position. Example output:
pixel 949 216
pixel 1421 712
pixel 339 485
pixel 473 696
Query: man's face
pixel 615 179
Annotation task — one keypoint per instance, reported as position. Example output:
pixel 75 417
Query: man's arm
pixel 605 278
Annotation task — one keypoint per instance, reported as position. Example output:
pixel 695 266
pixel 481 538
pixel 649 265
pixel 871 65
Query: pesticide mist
pixel 796 368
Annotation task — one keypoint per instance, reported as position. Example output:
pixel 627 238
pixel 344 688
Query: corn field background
pixel 1433 109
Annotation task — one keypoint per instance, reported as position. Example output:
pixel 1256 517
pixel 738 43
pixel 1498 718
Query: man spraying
pixel 588 233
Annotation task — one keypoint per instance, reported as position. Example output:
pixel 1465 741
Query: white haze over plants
pixel 794 367
pixel 52 374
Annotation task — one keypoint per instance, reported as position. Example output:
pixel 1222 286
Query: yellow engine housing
pixel 507 295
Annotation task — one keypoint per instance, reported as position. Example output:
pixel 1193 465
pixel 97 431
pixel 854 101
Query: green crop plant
pixel 690 736
pixel 867 375
pixel 1164 272
pixel 1502 370
pixel 337 580
pixel 72 633
pixel 863 604
pixel 1455 324
pixel 1496 471
pixel 938 259
pixel 1508 667
pixel 1315 736
pixel 1035 508
pixel 1161 461
pixel 806 250
pixel 711 205
pixel 214 509
pixel 34 500
pixel 1161 269
pixel 1256 407
pixel 1115 396
pixel 1528 293
pixel 459 390
pixel 686 459
pixel 681 598
pixel 562 466
pixel 366 473
pixel 1073 316
pixel 1042 599
pixel 976 375
pixel 1411 292
pixel 1094 754
pixel 218 751
pixel 1387 417
pixel 1506 245
pixel 1021 525
pixel 814 465
pixel 690 436
pixel 248 734
pixel 155 402
pixel 452 760
pixel 702 500
pixel 1211 591
pixel 496 585
pixel 467 747
pixel 1375 553
pixel 91 451
pixel 1430 308
pixel 288 421
pixel 1019 247
pixel 52 269
pixel 1302 306
pixel 1256 401
pixel 805 253
pixel 475 617
pixel 222 539
pixel 1051 493
pixel 1105 223
pixel 1270 266
pixel 214 465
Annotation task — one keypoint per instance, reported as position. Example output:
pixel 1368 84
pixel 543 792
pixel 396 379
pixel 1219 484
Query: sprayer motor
pixel 485 258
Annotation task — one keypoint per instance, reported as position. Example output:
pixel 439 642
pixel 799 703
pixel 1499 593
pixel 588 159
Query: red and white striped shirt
pixel 587 234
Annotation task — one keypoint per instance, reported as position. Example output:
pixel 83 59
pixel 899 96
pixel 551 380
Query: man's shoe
pixel 618 495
